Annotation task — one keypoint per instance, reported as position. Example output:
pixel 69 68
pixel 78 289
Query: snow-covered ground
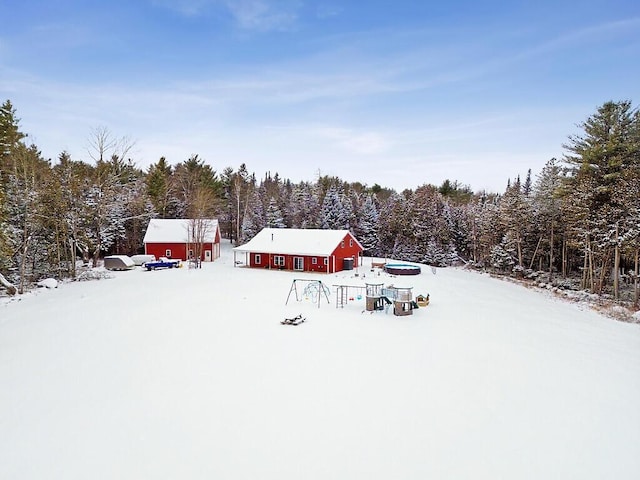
pixel 188 374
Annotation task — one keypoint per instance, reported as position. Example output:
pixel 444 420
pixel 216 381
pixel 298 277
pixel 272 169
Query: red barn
pixel 304 250
pixel 178 238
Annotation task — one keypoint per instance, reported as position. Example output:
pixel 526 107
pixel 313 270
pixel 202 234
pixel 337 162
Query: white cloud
pixel 354 141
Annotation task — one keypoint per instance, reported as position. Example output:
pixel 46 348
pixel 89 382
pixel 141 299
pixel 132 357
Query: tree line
pixel 578 220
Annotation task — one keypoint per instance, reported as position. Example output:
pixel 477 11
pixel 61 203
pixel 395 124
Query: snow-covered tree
pixel 504 255
pixel 515 212
pixel 597 160
pixel 334 214
pixel 547 209
pixel 273 215
pixel 366 229
pixel 253 220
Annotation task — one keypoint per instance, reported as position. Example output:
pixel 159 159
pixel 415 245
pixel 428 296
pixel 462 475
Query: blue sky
pixel 398 93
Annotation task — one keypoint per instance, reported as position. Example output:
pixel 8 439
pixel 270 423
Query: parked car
pixel 163 262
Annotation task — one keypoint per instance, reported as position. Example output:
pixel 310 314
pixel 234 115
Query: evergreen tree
pixel 254 219
pixel 596 162
pixel 26 211
pixel 160 188
pixel 547 209
pixel 514 214
pixel 4 240
pixel 191 176
pixel 486 230
pixel 334 214
pixel 366 230
pixel 273 215
pixel 10 137
pixel 504 255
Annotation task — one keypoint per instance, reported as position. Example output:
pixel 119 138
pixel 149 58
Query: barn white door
pixel 207 255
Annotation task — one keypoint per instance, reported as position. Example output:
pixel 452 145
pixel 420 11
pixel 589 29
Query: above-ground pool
pixel 401 269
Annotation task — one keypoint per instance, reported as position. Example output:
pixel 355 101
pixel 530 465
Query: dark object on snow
pixel 297 320
pixel 402 269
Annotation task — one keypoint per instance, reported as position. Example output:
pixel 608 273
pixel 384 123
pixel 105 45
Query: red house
pixel 179 238
pixel 304 250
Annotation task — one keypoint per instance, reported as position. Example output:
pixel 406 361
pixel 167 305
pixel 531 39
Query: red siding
pixel 351 249
pixel 348 248
pixel 268 260
pixel 178 250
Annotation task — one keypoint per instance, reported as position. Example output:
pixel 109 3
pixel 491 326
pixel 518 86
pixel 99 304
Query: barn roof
pixel 165 230
pixel 294 241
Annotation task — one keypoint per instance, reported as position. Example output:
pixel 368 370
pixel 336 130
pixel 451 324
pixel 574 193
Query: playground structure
pixel 378 297
pixel 403 303
pixel 312 290
pixel 344 294
pixel 422 300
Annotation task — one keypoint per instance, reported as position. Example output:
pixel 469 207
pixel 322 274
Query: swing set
pixel 309 289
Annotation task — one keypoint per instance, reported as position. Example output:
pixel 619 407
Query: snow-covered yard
pixel 189 374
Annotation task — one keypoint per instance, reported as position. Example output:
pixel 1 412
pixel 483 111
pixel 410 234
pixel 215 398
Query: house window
pixel 190 253
pixel 278 261
pixel 256 259
pixel 342 244
pixel 167 253
pixel 298 263
pixel 314 260
pixel 326 261
pixel 351 242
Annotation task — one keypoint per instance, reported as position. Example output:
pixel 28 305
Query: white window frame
pixel 314 260
pixel 300 261
pixel 257 259
pixel 351 242
pixel 167 253
pixel 342 244
pixel 326 260
pixel 278 260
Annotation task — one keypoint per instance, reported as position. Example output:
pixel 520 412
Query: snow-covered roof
pixel 165 230
pixel 295 241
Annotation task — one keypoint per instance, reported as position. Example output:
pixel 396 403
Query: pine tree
pixel 26 210
pixel 4 240
pixel 273 215
pixel 547 209
pixel 160 188
pixel 366 230
pixel 253 220
pixel 334 214
pixel 514 214
pixel 504 255
pixel 10 137
pixel 596 162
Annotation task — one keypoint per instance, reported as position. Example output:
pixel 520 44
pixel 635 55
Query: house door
pixel 207 255
pixel 298 263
